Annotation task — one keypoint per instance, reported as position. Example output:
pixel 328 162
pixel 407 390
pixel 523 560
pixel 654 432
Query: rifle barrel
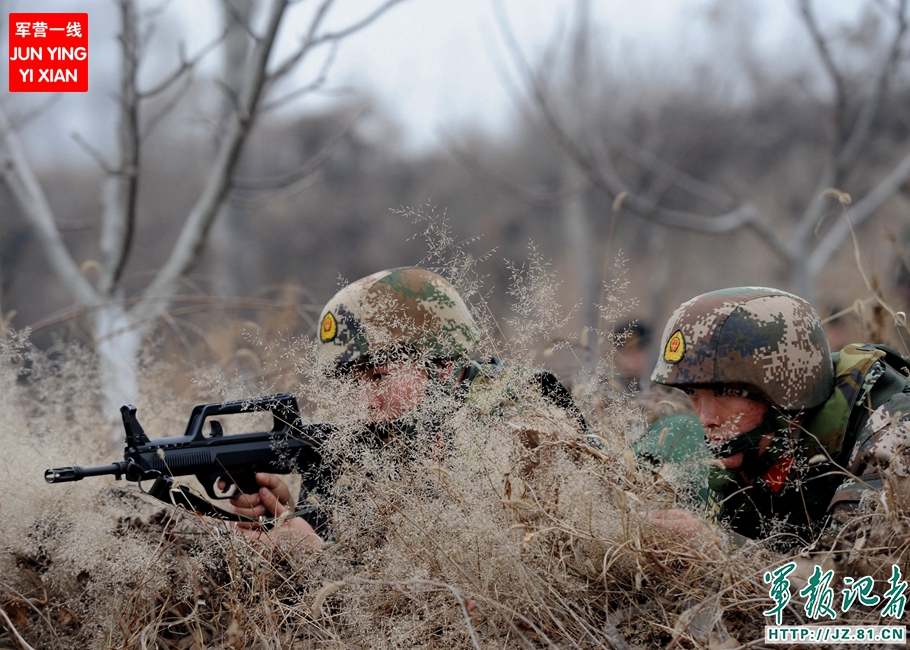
pixel 76 473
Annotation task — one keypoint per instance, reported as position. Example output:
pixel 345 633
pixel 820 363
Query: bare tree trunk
pixel 578 238
pixel 230 262
pixel 801 280
pixel 576 221
pixel 118 341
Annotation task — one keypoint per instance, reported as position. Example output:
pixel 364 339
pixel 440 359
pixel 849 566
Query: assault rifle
pixel 234 459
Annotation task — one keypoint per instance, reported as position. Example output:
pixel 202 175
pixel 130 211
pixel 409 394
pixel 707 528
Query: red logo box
pixel 48 53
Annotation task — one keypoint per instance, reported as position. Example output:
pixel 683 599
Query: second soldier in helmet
pixel 798 433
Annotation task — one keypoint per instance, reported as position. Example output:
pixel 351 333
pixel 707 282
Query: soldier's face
pixel 390 390
pixel 724 417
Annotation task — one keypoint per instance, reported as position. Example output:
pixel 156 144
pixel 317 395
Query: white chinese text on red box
pixel 48 52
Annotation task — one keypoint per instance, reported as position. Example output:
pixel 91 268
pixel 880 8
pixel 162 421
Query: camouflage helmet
pixel 769 342
pixel 397 311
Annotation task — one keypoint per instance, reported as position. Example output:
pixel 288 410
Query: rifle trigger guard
pixel 166 490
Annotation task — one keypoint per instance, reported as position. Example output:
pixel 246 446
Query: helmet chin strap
pixel 748 444
pixel 450 381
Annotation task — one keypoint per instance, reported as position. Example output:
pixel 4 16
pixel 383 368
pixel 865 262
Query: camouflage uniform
pixel 841 420
pixel 411 314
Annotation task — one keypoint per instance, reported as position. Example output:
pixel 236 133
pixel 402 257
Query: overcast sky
pixel 438 63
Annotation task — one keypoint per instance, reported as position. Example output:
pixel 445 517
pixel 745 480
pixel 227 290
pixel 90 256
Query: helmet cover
pixel 398 311
pixel 765 340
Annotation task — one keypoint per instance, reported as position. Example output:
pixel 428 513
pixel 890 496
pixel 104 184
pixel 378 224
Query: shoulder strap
pixel 827 425
pixel 895 359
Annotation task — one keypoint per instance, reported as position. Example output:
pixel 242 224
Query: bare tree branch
pixel 853 115
pixel 199 221
pixel 186 65
pixel 308 43
pixel 598 167
pixel 311 40
pixel 602 174
pixel 192 236
pixel 18 175
pixel 527 196
pixel 311 87
pixel 311 165
pixel 96 155
pixel 238 18
pixel 824 52
pixel 18 121
pixel 674 176
pixel 850 144
pixel 259 201
pixel 165 110
pixel 859 213
pixel 859 135
pixel 119 214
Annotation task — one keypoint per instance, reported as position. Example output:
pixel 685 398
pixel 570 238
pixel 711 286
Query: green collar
pixel 826 426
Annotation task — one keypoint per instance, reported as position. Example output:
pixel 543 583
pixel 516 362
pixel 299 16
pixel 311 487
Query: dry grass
pixel 502 528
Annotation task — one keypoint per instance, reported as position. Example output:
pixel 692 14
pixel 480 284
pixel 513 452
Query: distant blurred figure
pixel 632 359
pixel 837 329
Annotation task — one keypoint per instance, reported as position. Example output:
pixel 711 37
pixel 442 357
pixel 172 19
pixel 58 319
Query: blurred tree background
pixel 714 179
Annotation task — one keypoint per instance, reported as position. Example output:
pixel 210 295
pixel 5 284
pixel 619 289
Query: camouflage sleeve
pixel 882 450
pixel 679 441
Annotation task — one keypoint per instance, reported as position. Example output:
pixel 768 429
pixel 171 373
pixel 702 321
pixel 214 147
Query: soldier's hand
pixel 680 523
pixel 273 499
pixel 251 505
